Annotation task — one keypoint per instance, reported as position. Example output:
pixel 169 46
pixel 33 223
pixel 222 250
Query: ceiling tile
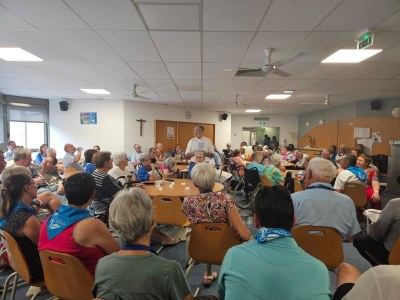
pixel 9 20
pixel 355 71
pixel 233 15
pixel 131 45
pixel 323 71
pixel 41 14
pixel 106 14
pixel 225 46
pixel 184 70
pixel 294 15
pixel 161 85
pixel 150 70
pixel 219 70
pixel 170 17
pixel 188 85
pixel 177 46
pixel 114 69
pixel 271 85
pixel 214 85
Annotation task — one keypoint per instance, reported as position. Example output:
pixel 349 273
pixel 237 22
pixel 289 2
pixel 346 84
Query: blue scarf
pixel 63 218
pixel 19 206
pixel 266 234
pixel 360 173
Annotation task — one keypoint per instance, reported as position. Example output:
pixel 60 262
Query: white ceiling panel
pixel 114 69
pixel 150 70
pixel 38 44
pixel 170 17
pixel 215 85
pixel 294 15
pixel 328 85
pixel 106 14
pixel 219 70
pixel 243 85
pixel 188 85
pixel 225 46
pixel 184 70
pixel 161 85
pixel 271 85
pixel 46 69
pixel 299 85
pixel 282 42
pixel 190 95
pixel 233 15
pixel 355 71
pixel 78 68
pixel 322 71
pixel 358 15
pixel 178 46
pixel 131 45
pixel 390 24
pixel 8 20
pixel 53 14
pixel 13 69
pixel 169 95
pixel 84 43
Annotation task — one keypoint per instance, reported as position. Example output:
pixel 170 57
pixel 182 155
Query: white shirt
pixel 195 144
pixel 343 177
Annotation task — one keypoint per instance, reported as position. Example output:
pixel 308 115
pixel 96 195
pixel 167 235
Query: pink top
pixel 65 243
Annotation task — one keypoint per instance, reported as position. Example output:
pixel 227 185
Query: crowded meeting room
pixel 200 149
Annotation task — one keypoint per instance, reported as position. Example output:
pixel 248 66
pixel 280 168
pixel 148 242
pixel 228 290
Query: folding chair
pixel 265 181
pixel 356 191
pixel 167 211
pixel 297 186
pixel 324 243
pixel 394 255
pixel 20 266
pixel 209 243
pixel 66 276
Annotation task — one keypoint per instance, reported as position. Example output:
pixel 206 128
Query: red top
pixel 65 243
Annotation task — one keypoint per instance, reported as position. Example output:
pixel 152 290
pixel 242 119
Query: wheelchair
pixel 246 185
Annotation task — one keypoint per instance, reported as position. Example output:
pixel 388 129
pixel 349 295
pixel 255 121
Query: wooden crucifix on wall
pixel 141 125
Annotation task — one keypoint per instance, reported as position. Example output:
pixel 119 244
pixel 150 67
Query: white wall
pixel 286 123
pixel 150 112
pixel 65 126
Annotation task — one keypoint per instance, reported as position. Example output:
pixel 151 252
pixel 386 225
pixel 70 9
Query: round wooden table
pixel 180 188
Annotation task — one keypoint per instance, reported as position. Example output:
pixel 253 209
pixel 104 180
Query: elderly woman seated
pixel 211 207
pixel 136 272
pixel 271 171
pixel 71 230
pixel 147 170
pixel 18 214
pixel 167 167
pixel 119 171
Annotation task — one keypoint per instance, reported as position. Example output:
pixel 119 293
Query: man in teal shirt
pixel 273 266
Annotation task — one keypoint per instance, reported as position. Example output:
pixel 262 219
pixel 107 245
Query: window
pixel 28 134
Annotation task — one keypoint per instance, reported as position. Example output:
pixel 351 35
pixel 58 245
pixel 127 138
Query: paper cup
pixel 187 188
pixel 160 189
pixel 183 183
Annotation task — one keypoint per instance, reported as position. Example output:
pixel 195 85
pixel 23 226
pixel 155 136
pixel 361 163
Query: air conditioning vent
pixel 250 73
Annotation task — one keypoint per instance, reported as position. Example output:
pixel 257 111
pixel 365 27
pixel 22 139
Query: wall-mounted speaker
pixel 64 105
pixel 376 105
pixel 224 116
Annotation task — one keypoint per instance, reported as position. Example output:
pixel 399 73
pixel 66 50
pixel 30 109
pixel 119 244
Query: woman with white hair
pixel 272 171
pixel 211 207
pixel 120 160
pixel 167 167
pixel 136 272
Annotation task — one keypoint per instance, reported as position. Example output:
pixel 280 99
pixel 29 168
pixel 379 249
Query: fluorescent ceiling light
pixel 288 92
pixel 252 110
pixel 278 96
pixel 350 55
pixel 20 104
pixel 17 54
pixel 96 91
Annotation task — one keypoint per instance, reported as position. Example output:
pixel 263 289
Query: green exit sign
pixel 365 41
pixel 262 123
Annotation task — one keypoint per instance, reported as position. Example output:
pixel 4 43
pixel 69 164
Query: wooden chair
pixel 167 211
pixel 356 191
pixel 323 243
pixel 265 181
pixel 297 186
pixel 209 243
pixel 394 255
pixel 20 266
pixel 66 276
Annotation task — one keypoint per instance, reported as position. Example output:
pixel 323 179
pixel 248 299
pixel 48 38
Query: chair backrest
pixel 297 186
pixel 66 276
pixel 356 191
pixel 323 243
pixel 16 257
pixel 394 255
pixel 251 179
pixel 265 181
pixel 209 242
pixel 234 169
pixel 167 211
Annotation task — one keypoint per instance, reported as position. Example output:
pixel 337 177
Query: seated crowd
pixel 44 212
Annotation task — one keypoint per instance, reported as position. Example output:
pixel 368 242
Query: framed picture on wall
pixel 88 118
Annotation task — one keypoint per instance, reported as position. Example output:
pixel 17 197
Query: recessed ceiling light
pixel 252 110
pixel 350 55
pixel 288 92
pixel 278 96
pixel 17 54
pixel 96 91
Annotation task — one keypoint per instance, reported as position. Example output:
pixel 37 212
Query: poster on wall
pixel 88 118
pixel 170 133
pixel 377 137
pixel 361 133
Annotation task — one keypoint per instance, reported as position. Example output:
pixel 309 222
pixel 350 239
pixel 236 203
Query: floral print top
pixel 208 207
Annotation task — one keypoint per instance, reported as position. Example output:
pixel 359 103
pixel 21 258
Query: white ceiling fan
pixel 268 67
pixel 326 102
pixel 237 103
pixel 135 94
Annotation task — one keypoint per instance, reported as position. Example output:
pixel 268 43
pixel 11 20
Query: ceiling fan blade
pixel 311 103
pixel 279 72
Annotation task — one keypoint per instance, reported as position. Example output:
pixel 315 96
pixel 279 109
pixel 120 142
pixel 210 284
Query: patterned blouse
pixel 372 175
pixel 208 207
